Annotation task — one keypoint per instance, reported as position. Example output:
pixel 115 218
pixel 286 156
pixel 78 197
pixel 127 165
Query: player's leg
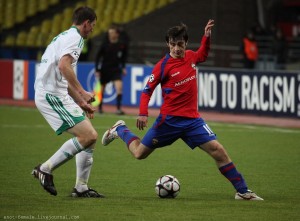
pixel 139 150
pixel 211 146
pixel 162 133
pixel 83 141
pixel 199 134
pixel 44 171
pixel 119 90
pixel 62 114
pixel 87 137
pixel 225 165
pixel 133 142
pixel 217 152
pixel 228 169
pixel 84 137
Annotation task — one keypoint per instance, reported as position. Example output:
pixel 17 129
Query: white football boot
pixel 111 133
pixel 249 195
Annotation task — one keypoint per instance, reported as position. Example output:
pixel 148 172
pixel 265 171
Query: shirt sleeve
pixel 152 83
pixel 72 47
pixel 202 52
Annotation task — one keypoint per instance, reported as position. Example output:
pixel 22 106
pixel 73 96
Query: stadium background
pixel 28 26
pixel 268 156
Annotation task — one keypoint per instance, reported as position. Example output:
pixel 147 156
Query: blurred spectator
pixel 279 50
pixel 112 56
pixel 123 35
pixel 250 50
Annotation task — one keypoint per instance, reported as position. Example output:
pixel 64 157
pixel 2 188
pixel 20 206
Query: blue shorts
pixel 167 129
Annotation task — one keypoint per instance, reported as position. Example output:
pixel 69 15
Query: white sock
pixel 84 161
pixel 65 153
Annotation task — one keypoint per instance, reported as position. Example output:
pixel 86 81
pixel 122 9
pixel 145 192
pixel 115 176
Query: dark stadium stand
pixel 30 25
pixel 26 38
pixel 27 26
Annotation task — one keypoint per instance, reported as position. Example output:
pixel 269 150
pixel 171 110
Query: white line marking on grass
pixel 238 127
pixel 221 126
pixel 25 126
pixel 231 127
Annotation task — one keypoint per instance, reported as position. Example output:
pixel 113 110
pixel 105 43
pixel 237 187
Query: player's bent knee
pixel 89 138
pixel 94 136
pixel 139 156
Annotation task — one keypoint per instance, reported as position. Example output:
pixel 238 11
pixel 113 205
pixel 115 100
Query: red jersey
pixel 178 80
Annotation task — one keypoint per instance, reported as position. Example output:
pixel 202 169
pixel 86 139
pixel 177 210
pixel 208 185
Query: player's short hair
pixel 82 14
pixel 178 32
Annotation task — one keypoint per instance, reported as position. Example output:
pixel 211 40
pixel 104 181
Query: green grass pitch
pixel 268 158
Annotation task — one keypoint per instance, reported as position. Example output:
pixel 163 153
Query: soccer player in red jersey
pixel 179 116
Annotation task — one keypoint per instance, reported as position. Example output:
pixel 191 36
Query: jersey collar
pixel 73 26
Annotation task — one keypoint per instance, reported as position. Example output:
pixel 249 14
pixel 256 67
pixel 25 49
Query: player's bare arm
pixel 80 96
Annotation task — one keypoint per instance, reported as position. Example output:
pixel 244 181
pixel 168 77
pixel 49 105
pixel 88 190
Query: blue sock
pixel 126 135
pixel 237 180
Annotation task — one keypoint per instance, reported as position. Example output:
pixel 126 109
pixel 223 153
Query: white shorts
pixel 60 112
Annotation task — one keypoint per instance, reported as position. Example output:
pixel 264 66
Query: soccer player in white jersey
pixel 66 105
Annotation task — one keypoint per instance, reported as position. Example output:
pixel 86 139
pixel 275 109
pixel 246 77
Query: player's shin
pixel 84 161
pixel 236 179
pixel 126 135
pixel 66 152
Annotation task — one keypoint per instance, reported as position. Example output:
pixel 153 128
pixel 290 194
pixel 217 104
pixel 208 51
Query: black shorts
pixel 107 76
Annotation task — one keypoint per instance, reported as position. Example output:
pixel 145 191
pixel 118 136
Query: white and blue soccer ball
pixel 167 186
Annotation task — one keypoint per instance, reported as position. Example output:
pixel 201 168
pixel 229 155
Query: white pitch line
pixel 40 126
pixel 252 127
pixel 231 127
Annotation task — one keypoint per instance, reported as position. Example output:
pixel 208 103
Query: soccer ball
pixel 167 187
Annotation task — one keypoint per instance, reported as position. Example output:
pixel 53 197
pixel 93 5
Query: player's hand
pixel 88 109
pixel 141 122
pixel 208 27
pixel 88 97
pixel 90 115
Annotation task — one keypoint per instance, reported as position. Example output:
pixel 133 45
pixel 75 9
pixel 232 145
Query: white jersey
pixel 48 78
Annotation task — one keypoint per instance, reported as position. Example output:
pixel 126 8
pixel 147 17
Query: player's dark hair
pixel 82 14
pixel 178 32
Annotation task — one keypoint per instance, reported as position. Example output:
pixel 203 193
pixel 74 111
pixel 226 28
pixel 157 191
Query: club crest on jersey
pixel 75 54
pixel 151 78
pixel 193 66
pixel 154 141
